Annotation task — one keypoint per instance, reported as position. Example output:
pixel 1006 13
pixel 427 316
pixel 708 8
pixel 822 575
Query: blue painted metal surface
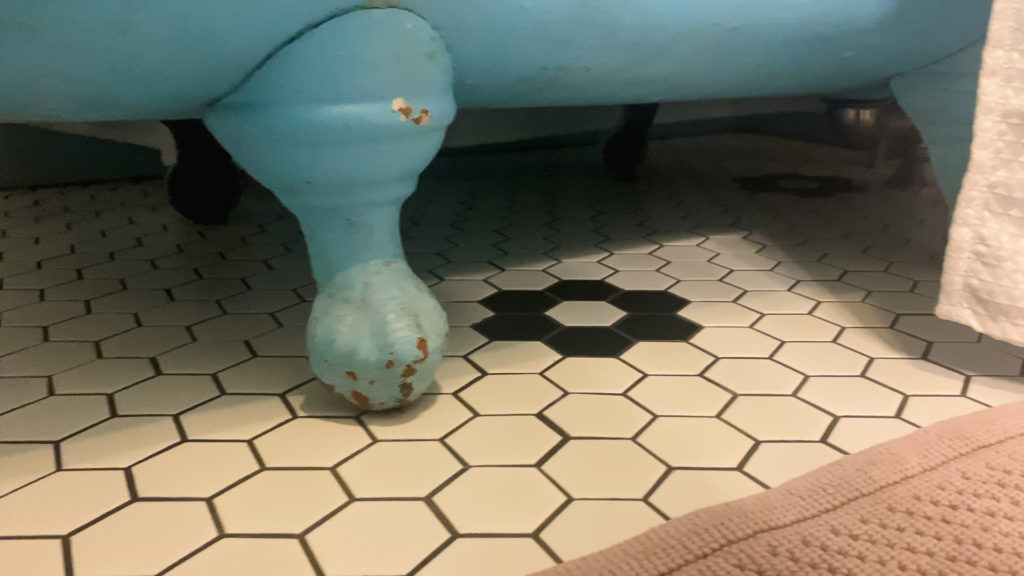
pixel 940 99
pixel 125 59
pixel 338 108
pixel 343 151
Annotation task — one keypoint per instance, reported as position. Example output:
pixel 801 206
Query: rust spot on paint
pixel 409 371
pixel 360 399
pixel 402 107
pixel 352 376
pixel 423 119
pixel 390 364
pixel 372 382
pixel 424 348
pixel 404 110
pixel 406 389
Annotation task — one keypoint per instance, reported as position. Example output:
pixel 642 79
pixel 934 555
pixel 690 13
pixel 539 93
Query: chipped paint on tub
pixel 405 110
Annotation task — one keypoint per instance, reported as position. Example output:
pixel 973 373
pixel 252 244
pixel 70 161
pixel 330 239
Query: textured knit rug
pixel 946 500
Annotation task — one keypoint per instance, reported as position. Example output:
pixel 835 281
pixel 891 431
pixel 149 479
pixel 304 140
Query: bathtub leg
pixel 858 124
pixel 940 99
pixel 339 124
pixel 204 185
pixel 626 150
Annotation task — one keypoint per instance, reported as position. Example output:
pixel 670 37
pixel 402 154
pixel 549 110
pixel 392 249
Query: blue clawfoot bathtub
pixel 338 105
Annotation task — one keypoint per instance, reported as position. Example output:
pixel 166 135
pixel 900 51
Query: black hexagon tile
pixel 657 327
pixel 576 290
pixel 649 302
pixel 525 327
pixel 519 302
pixel 593 341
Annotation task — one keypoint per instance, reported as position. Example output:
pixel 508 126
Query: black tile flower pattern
pixel 649 315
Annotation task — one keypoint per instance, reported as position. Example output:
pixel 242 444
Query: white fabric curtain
pixel 983 275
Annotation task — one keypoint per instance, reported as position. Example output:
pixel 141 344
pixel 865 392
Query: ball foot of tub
pixel 339 124
pixel 204 186
pixel 375 334
pixel 626 150
pixel 858 124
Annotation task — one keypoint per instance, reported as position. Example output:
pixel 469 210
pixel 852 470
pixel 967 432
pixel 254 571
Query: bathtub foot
pixel 204 186
pixel 858 124
pixel 339 124
pixel 626 150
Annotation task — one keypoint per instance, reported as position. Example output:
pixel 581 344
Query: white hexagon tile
pixel 619 355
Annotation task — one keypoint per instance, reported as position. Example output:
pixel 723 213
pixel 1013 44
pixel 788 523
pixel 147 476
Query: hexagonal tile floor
pixel 620 354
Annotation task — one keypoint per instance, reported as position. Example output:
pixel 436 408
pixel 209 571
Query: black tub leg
pixel 626 150
pixel 205 185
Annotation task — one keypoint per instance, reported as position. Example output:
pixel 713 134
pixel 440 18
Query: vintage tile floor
pixel 157 415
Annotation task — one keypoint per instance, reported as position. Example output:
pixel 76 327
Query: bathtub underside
pixel 135 59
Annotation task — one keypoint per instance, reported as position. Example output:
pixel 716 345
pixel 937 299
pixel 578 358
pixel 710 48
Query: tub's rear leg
pixel 940 99
pixel 339 124
pixel 204 186
pixel 626 149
